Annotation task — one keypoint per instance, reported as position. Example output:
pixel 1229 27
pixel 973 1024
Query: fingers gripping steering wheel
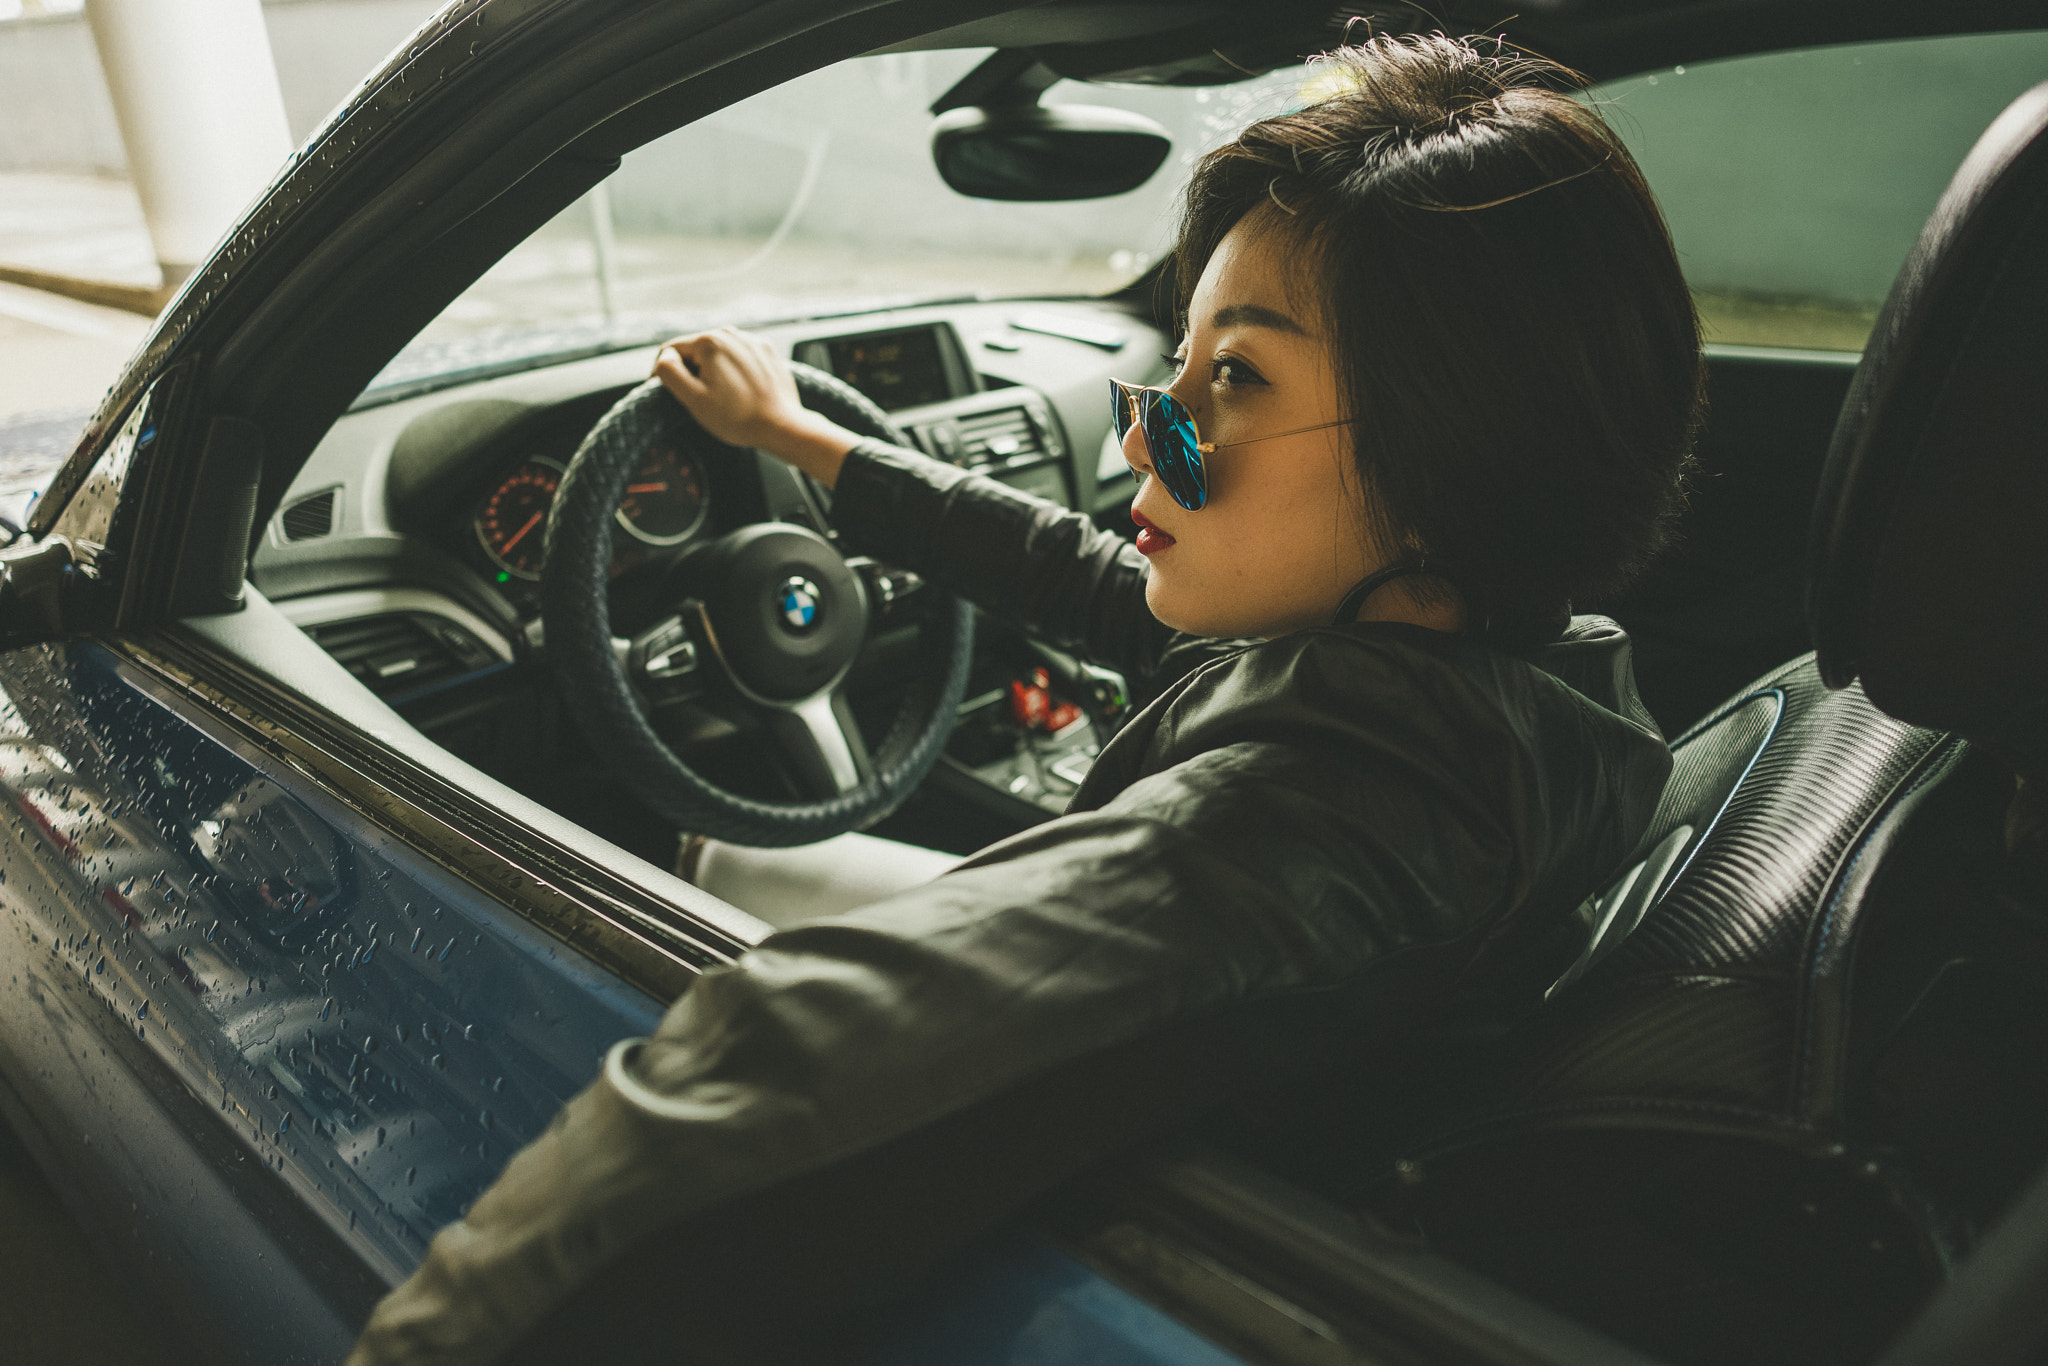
pixel 772 614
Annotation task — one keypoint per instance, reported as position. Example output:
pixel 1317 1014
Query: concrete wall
pixel 324 47
pixel 1803 173
pixel 54 110
pixel 1810 173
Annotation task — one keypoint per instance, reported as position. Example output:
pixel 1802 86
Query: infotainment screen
pixel 895 369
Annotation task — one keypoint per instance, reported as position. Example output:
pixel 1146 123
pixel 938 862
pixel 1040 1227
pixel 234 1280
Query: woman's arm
pixel 1021 557
pixel 1012 554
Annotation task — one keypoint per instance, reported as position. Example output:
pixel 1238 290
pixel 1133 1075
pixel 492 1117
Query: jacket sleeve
pixel 1018 557
pixel 832 1038
pixel 1359 867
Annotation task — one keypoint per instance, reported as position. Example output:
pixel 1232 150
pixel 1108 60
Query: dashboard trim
pixel 357 604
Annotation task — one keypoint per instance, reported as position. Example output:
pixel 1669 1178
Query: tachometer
pixel 513 520
pixel 664 499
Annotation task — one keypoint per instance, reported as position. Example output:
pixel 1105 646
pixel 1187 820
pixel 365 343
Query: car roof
pixel 1206 42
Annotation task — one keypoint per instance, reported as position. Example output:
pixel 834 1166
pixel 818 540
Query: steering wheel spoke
pixel 823 744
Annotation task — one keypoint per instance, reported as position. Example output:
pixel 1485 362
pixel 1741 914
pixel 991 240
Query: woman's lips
pixel 1151 540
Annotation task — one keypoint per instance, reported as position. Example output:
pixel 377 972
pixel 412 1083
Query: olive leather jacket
pixel 1296 848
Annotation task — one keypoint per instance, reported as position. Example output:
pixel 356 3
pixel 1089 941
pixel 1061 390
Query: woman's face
pixel 1282 536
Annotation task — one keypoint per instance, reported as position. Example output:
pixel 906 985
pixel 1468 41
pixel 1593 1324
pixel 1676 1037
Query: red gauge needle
pixel 520 535
pixel 648 488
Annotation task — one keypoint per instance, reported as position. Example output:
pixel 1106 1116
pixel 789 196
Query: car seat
pixel 1803 1063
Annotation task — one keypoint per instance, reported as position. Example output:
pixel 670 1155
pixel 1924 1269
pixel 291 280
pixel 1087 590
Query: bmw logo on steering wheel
pixel 799 601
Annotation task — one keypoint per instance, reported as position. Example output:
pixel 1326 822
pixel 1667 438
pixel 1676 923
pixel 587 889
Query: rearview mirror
pixel 1031 152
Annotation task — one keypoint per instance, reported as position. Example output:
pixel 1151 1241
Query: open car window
pixel 820 196
pixel 1796 182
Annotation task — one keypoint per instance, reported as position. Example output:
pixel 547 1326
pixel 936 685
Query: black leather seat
pixel 1805 1063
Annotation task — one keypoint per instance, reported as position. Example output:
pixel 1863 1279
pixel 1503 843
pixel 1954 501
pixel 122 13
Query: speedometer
pixel 512 522
pixel 664 499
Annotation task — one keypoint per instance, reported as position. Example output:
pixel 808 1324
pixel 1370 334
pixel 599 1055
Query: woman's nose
pixel 1135 453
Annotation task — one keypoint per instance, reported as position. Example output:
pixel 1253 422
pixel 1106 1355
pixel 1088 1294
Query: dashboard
pixel 412 544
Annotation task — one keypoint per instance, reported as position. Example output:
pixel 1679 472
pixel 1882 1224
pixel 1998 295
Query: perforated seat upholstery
pixel 1720 1010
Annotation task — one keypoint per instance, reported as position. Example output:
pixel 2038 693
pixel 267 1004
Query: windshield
pixel 1794 183
pixel 819 196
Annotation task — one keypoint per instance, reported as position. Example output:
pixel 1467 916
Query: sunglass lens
pixel 1170 433
pixel 1170 440
pixel 1120 399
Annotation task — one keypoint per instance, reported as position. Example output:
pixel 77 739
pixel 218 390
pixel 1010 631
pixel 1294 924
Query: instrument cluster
pixel 666 503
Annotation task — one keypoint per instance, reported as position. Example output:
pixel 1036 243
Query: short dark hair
pixel 1519 349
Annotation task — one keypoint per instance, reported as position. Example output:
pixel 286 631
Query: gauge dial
pixel 664 499
pixel 513 520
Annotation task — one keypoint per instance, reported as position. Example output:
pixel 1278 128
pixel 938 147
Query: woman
pixel 1438 377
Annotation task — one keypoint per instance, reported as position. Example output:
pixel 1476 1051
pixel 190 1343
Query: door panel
pixel 190 919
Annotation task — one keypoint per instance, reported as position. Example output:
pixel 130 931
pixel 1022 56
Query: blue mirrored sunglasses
pixel 1173 443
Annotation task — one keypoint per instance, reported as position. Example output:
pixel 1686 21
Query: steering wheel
pixel 772 614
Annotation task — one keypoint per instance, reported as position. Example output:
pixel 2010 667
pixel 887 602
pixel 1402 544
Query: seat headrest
pixel 1928 575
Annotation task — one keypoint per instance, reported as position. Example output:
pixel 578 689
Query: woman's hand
pixel 739 388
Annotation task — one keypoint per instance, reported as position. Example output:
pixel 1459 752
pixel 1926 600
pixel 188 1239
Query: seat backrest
pixel 1928 575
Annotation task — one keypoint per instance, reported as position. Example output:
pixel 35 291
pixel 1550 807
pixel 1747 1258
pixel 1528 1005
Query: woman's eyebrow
pixel 1256 315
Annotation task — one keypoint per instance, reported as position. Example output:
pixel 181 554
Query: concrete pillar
pixel 195 92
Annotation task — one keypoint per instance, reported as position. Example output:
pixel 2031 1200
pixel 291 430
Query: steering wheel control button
pixel 799 601
pixel 674 662
pixel 888 587
pixel 668 651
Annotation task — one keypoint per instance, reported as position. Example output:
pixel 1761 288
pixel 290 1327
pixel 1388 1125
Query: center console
pixel 921 376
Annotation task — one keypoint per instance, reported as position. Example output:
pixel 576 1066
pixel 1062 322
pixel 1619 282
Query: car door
pixel 289 984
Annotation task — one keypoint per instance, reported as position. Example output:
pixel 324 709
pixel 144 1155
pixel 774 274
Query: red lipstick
pixel 1151 540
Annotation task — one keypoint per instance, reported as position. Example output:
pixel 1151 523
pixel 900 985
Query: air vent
pixel 1004 437
pixel 309 518
pixel 404 656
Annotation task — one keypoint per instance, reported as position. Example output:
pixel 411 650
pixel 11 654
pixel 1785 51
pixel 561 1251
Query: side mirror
pixel 1032 152
pixel 42 593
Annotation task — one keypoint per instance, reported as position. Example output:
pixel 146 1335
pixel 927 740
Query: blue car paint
pixel 373 1030
pixel 376 1033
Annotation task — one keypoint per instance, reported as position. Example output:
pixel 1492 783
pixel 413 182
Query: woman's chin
pixel 1197 618
pixel 1164 604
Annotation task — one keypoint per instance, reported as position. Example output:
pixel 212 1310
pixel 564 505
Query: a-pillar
pixel 195 92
